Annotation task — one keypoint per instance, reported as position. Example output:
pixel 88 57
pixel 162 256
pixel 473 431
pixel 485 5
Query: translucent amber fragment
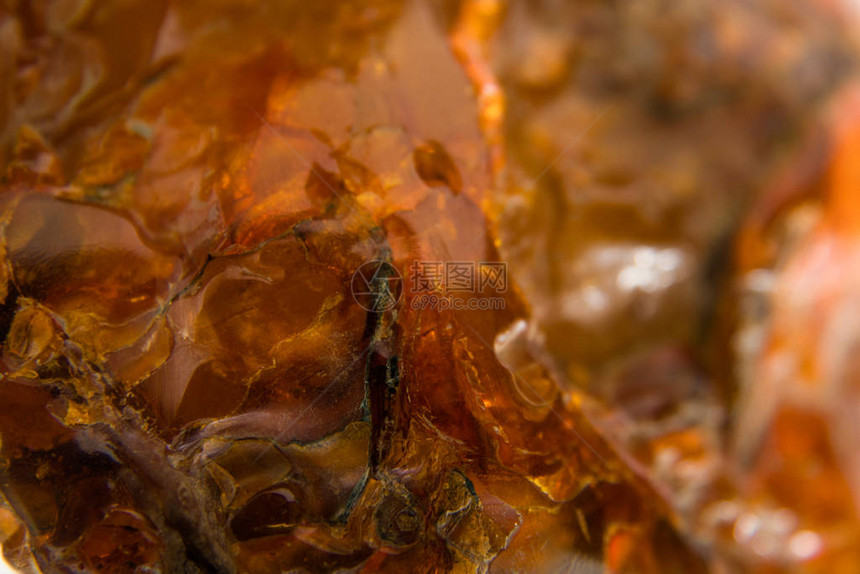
pixel 428 286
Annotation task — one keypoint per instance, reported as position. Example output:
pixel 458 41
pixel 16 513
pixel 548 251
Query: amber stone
pixel 215 357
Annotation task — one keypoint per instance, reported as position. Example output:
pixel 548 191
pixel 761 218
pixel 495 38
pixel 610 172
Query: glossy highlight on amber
pixel 196 375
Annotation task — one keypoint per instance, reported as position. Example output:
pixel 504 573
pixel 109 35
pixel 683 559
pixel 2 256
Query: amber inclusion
pixel 188 382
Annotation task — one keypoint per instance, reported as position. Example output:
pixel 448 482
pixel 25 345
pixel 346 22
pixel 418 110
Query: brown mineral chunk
pixel 428 286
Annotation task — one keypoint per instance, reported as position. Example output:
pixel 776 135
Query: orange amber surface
pixel 430 286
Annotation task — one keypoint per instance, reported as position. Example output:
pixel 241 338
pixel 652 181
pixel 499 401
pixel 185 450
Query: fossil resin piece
pixel 428 286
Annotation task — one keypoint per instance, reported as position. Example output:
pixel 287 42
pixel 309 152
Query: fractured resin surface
pixel 663 384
